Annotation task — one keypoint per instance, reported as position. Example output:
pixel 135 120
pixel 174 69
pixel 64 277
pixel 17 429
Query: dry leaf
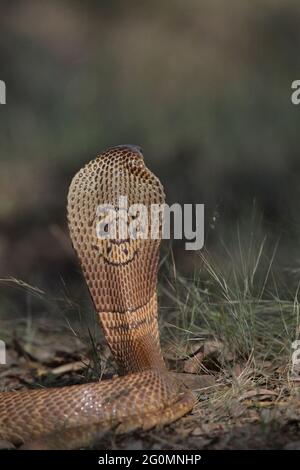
pixel 70 367
pixel 193 364
pixel 197 382
pixel 257 392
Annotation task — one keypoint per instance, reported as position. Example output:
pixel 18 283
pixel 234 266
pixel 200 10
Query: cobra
pixel 121 276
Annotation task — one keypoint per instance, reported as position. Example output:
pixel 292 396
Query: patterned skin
pixel 121 274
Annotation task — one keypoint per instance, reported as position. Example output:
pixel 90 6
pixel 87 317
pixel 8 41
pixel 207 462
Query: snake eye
pixel 125 251
pixel 109 249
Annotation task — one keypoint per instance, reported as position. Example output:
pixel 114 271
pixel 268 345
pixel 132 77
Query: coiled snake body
pixel 121 275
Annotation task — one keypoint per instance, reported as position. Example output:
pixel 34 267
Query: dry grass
pixel 233 326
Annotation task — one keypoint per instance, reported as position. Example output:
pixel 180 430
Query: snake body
pixel 121 275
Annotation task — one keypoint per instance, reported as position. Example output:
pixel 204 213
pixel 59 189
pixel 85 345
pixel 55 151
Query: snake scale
pixel 121 275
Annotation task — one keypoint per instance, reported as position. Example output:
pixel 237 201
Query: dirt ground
pixel 234 412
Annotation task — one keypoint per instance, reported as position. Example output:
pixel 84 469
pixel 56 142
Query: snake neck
pixel 133 338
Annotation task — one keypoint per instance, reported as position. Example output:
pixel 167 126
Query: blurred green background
pixel 203 86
